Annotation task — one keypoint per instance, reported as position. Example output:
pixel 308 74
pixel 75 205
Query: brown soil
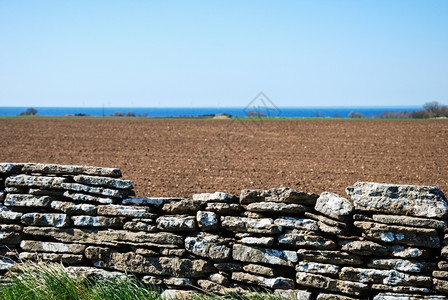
pixel 182 157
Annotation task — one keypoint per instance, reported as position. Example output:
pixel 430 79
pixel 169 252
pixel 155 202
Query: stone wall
pixel 381 242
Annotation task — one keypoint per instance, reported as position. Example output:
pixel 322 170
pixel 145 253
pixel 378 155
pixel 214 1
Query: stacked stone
pixel 399 229
pixel 43 205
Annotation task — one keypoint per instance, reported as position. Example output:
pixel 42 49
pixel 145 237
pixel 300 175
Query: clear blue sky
pixel 222 53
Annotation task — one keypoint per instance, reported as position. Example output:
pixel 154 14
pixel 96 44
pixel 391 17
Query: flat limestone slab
pixel 70 169
pixel 104 181
pixel 409 200
pixel 42 182
pixel 253 254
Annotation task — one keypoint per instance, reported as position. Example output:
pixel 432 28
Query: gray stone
pixel 97 221
pixel 400 288
pixel 409 200
pixel 330 257
pixel 46 219
pixel 410 221
pixel 152 280
pixel 16 190
pixel 70 259
pixel 408 252
pixel 215 197
pixel 260 270
pixel 106 236
pixel 176 223
pixel 330 284
pixel 440 285
pixel 400 296
pixel 219 279
pixel 7 215
pixel 213 287
pixel 299 238
pixel 403 265
pixel 11 227
pixel 10 168
pixel 365 248
pixel 253 254
pixel 71 169
pixel 76 187
pixel 273 283
pixel 387 277
pixel 442 265
pixel 229 266
pixel 401 235
pixel 185 206
pixel 139 226
pixel 77 272
pixel 178 294
pixel 43 192
pixel 71 208
pixel 304 295
pixel 288 195
pixel 104 181
pixel 88 198
pixel 328 225
pixel 334 206
pixel 317 268
pixel 207 220
pixel 223 208
pixel 323 296
pixel 42 182
pixel 250 196
pixel 25 200
pixel 257 241
pixel 10 238
pixel 209 246
pixel 97 253
pixel 37 246
pixel 177 282
pixel 150 201
pixel 149 252
pixel 240 224
pixel 295 223
pixel 6 264
pixel 173 252
pixel 125 211
pixel 277 208
pixel 440 274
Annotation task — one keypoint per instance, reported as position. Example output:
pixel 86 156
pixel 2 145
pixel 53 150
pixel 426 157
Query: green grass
pixel 50 281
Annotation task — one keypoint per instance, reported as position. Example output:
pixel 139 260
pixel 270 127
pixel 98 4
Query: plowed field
pixel 181 157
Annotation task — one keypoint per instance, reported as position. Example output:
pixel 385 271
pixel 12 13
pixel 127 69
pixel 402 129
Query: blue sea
pixel 285 112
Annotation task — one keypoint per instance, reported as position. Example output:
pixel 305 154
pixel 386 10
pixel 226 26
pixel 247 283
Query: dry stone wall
pixel 381 242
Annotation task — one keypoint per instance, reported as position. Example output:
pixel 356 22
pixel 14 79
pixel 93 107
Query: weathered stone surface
pixel 10 168
pixel 440 285
pixel 185 206
pixel 88 198
pixel 163 266
pixel 25 200
pixel 403 265
pixel 274 283
pixel 177 282
pixel 43 182
pixel 440 274
pixel 208 245
pixel 46 219
pixel 108 192
pixel 178 294
pixel 330 257
pixel 16 190
pixel 97 221
pixel 104 181
pixel 334 206
pixel 223 208
pixel 442 265
pixel 6 264
pixel 97 253
pixel 229 266
pixel 317 268
pixel 292 294
pixel 37 246
pixel 409 200
pixel 71 259
pixel 260 270
pixel 150 201
pixel 218 278
pixel 288 195
pixel 328 225
pixel 262 255
pixel 304 239
pixel 173 252
pixel 139 226
pixel 44 192
pixel 94 272
pixel 365 248
pixel 410 221
pixel 408 252
pixel 250 196
pixel 257 241
pixel 152 280
pixel 213 287
pixel 388 277
pixel 7 215
pixel 207 220
pixel 149 252
pixel 125 211
pixel 304 295
pixel 105 236
pixel 11 227
pixel 277 208
pixel 330 284
pixel 215 197
pixel 400 288
pixel 403 235
pixel 10 237
pixel 71 169
pixel 176 223
pixel 71 208
pixel 323 296
pixel 241 224
pixel 297 223
pixel 400 296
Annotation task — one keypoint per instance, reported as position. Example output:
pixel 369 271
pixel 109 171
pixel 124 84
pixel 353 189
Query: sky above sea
pixel 223 53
